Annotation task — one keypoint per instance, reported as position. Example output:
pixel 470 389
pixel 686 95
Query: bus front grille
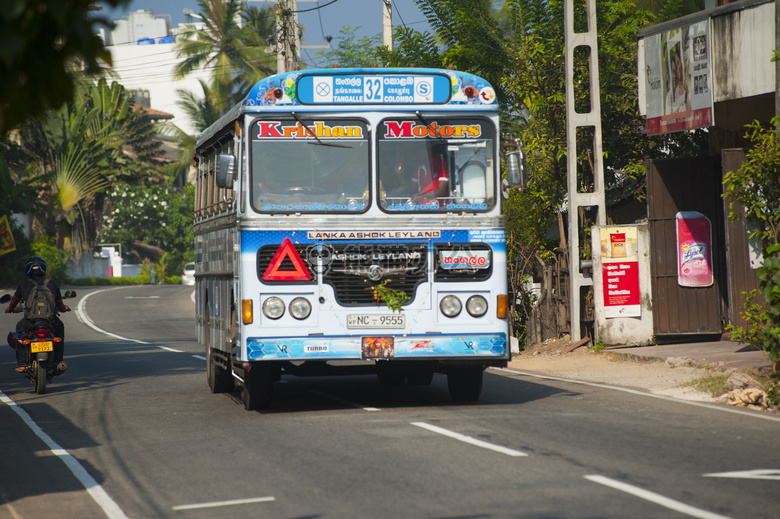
pixel 353 270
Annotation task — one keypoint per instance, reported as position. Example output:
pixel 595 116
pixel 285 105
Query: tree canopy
pixel 41 43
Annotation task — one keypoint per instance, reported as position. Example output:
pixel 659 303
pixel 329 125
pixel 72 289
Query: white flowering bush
pixel 154 214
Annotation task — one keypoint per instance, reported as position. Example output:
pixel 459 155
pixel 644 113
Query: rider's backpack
pixel 40 303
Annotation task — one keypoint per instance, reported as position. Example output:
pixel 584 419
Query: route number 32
pixel 372 89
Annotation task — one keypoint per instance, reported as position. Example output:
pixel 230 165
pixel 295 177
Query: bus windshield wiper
pixel 428 124
pixel 312 134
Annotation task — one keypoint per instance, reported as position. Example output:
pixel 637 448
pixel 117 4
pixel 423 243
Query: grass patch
pixel 714 385
pixel 119 281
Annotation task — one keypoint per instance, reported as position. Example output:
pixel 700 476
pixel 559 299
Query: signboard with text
pixel 679 79
pixel 620 272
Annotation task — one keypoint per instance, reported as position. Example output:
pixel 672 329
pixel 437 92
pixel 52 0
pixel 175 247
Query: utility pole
pixel 288 42
pixel 591 121
pixel 387 24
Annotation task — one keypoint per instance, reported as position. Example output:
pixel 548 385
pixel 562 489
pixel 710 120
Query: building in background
pixel 142 47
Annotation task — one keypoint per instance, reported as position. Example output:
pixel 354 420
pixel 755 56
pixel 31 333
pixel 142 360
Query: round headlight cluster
pixel 476 306
pixel 273 308
pixel 451 306
pixel 300 308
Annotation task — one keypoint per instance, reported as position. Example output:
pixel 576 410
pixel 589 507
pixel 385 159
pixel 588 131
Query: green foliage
pixel 714 385
pixel 40 43
pixel 18 195
pixel 74 152
pixel 351 53
pixel 56 266
pixel 411 48
pixel 117 281
pixel 773 393
pixel 393 298
pixel 756 186
pixel 234 51
pixel 161 267
pixel 160 216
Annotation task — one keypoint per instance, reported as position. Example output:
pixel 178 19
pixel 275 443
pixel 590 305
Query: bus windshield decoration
pixel 358 230
pixel 369 86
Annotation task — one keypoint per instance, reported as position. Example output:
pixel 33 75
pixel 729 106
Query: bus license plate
pixel 36 347
pixel 376 321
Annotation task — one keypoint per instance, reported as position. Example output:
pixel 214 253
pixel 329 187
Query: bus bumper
pixel 432 347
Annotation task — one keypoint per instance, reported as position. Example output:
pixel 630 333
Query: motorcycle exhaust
pixel 13 341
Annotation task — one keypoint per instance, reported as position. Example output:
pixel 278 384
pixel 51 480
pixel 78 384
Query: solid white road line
pixel 469 439
pixel 97 493
pixel 225 503
pixel 642 393
pixel 770 474
pixel 82 316
pixel 658 499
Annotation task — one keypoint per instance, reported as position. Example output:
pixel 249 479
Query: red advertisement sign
pixel 694 250
pixel 621 284
pixel 620 272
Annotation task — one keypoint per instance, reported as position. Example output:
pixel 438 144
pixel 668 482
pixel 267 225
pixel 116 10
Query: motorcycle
pixel 38 339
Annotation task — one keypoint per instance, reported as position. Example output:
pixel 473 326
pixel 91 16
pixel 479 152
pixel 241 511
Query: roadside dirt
pixel 548 358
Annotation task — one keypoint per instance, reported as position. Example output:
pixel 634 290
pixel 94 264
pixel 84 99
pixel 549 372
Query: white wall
pixel 151 67
pixel 624 330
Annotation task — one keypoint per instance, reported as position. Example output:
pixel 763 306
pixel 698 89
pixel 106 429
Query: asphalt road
pixel 131 430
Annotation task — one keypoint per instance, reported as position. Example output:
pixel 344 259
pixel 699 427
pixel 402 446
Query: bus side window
pixel 202 186
pixel 210 185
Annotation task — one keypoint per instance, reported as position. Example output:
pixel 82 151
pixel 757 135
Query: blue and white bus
pixel 349 220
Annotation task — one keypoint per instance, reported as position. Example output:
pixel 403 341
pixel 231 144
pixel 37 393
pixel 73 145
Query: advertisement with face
pixel 679 79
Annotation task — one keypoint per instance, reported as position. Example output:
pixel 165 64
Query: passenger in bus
pixel 432 179
pixel 425 183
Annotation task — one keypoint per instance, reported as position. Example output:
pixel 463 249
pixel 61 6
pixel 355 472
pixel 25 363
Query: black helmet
pixel 35 266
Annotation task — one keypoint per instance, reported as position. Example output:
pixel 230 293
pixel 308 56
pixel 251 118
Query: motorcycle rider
pixel 35 268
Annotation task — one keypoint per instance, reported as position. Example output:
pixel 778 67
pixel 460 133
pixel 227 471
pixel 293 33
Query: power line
pixel 395 7
pixel 315 8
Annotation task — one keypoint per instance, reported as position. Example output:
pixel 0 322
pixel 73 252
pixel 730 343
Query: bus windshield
pixel 435 164
pixel 313 165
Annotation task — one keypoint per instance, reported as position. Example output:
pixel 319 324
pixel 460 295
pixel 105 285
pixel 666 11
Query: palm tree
pixel 232 49
pixel 82 148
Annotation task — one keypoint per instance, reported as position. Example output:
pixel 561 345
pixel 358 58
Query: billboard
pixel 679 79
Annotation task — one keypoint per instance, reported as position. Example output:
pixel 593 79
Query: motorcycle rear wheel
pixel 39 376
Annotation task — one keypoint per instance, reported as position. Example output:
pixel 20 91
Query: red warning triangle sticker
pixel 287 251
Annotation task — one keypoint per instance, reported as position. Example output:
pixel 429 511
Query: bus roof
pixel 358 88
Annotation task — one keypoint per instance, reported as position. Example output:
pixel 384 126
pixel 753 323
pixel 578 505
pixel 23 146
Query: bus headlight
pixel 273 308
pixel 300 308
pixel 476 306
pixel 450 306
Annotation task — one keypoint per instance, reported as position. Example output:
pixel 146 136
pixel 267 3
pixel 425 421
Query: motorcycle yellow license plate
pixel 36 347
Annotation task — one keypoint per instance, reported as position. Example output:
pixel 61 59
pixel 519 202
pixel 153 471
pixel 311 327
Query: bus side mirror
pixel 516 173
pixel 225 170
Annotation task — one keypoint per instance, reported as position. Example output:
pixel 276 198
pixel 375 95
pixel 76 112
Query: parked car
pixel 188 274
